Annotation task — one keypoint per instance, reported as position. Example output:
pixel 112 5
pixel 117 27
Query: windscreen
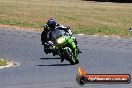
pixel 58 33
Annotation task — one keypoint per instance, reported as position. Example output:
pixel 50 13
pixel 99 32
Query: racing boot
pixel 54 52
pixel 46 49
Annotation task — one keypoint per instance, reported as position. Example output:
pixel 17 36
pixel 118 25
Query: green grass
pixel 83 17
pixel 3 62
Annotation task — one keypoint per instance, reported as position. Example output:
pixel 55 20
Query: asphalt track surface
pixel 38 70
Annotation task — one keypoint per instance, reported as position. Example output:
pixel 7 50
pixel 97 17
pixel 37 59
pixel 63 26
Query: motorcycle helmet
pixel 51 23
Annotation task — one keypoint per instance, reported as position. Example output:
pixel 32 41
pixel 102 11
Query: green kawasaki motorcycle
pixel 64 46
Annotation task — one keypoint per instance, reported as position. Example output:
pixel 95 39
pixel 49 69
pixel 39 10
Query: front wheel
pixel 73 62
pixel 69 56
pixel 76 61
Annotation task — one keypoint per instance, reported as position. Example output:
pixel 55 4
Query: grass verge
pixel 82 16
pixel 3 62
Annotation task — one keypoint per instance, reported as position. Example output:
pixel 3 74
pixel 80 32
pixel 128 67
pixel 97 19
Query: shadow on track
pixel 49 58
pixel 56 65
pixel 53 64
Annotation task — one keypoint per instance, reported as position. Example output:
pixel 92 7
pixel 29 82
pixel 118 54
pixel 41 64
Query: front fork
pixel 73 47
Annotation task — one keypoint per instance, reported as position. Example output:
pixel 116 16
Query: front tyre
pixel 72 62
pixel 76 61
pixel 69 56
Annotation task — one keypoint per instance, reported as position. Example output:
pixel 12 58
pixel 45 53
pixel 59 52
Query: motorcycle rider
pixel 46 34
